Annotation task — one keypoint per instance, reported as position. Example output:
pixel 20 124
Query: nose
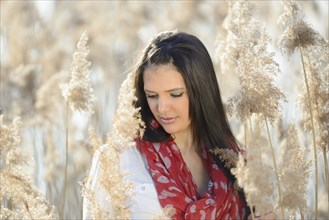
pixel 163 105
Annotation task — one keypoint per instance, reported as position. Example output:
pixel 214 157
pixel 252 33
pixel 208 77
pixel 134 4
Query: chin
pixel 174 129
pixel 169 130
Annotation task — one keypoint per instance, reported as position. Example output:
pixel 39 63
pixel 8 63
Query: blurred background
pixel 38 39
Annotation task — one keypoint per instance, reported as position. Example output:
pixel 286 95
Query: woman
pixel 180 102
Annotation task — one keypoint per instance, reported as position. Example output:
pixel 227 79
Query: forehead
pixel 162 77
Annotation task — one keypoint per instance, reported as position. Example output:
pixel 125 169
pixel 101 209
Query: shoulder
pixel 129 160
pixel 144 202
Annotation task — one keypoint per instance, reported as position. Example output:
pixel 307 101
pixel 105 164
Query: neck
pixel 185 142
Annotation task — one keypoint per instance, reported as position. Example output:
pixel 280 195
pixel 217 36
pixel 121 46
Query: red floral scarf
pixel 176 188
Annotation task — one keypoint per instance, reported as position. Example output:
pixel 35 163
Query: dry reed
pixel 119 191
pixel 19 197
pixel 294 172
pixel 255 176
pixel 78 95
pixel 248 41
pixel 49 99
pixel 298 34
pixel 78 92
pixel 228 156
pixel 127 119
pixel 95 140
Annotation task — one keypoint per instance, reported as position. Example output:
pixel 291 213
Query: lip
pixel 167 120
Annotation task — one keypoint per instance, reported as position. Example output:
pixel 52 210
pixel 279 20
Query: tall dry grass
pixel 19 197
pixel 246 49
pixel 78 95
pixel 36 58
pixel 313 49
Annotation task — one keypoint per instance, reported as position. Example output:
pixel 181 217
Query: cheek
pixel 152 105
pixel 186 108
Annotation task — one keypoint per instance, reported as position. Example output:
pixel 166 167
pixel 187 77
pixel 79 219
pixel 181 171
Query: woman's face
pixel 167 98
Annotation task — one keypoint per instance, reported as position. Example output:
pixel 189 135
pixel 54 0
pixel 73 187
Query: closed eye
pixel 150 96
pixel 177 94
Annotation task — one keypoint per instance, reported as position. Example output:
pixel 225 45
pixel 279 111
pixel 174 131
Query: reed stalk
pixel 275 168
pixel 313 132
pixel 245 128
pixel 326 172
pixel 250 124
pixel 301 214
pixel 252 211
pixel 325 160
pixel 66 159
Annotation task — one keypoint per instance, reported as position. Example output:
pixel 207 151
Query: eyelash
pixel 173 95
pixel 177 95
pixel 150 96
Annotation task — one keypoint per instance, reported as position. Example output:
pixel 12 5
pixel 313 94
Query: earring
pixel 154 123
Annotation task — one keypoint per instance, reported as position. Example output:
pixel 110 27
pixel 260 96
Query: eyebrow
pixel 169 90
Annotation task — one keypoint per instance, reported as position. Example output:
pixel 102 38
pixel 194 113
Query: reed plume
pixel 23 75
pixel 258 94
pixel 18 24
pixel 228 156
pixel 227 51
pixel 256 68
pixel 95 140
pixel 298 34
pixel 294 172
pixel 126 123
pixel 296 31
pixel 95 207
pixel 19 198
pixel 112 179
pixel 77 93
pixel 49 99
pixel 230 159
pixel 127 120
pixel 255 176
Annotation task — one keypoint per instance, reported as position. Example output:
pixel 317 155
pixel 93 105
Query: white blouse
pixel 144 202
